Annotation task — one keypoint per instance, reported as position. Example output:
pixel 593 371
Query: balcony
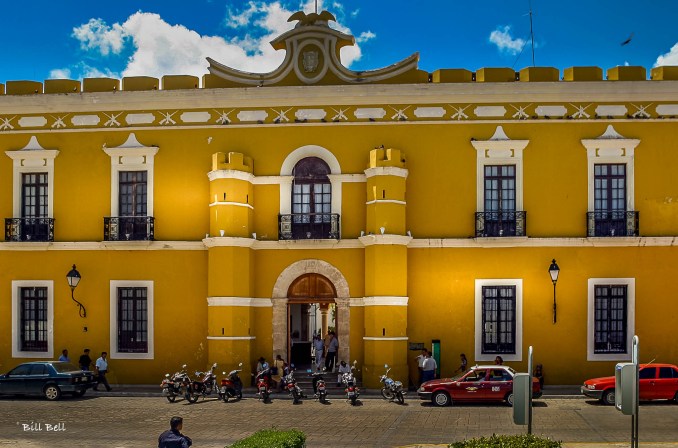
pixel 613 223
pixel 29 229
pixel 500 224
pixel 308 226
pixel 128 228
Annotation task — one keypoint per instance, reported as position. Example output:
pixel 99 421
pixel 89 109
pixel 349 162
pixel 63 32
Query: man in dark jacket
pixel 173 438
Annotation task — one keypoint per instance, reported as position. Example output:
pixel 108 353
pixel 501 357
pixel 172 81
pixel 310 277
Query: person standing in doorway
pixel 420 364
pixel 101 367
pixel 463 365
pixel 331 356
pixel 85 361
pixel 499 361
pixel 319 347
pixel 429 369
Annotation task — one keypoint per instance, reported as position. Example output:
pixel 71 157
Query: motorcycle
pixel 205 384
pixel 173 386
pixel 320 388
pixel 352 391
pixel 263 383
pixel 391 390
pixel 231 385
pixel 292 388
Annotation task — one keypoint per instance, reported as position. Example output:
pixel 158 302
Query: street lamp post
pixel 73 278
pixel 554 270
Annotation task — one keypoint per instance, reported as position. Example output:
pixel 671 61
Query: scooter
pixel 352 391
pixel 231 385
pixel 320 388
pixel 263 384
pixel 391 390
pixel 203 386
pixel 173 386
pixel 292 388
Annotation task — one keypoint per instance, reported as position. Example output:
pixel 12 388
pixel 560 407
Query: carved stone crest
pixel 310 61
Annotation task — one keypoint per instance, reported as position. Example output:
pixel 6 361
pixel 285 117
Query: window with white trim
pixel 611 308
pixel 32 319
pixel 132 326
pixel 498 323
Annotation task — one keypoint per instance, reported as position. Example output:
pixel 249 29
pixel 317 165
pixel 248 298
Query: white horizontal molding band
pixel 308 244
pixel 386 171
pixel 380 301
pixel 372 338
pixel 231 338
pixel 228 241
pixel 659 241
pixel 103 245
pixel 231 174
pixel 260 302
pixel 370 240
pixel 386 201
pixel 358 178
pixel 237 204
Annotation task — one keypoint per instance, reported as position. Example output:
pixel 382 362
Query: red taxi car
pixel 657 382
pixel 480 383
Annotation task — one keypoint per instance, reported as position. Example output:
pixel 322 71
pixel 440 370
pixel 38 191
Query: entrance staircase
pixel 305 381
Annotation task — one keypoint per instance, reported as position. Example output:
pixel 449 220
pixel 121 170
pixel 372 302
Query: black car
pixel 48 378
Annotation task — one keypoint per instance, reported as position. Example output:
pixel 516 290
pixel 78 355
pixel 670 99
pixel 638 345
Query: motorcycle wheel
pixel 295 397
pixel 264 396
pixel 171 398
pixel 353 400
pixel 322 397
pixel 400 397
pixel 387 394
pixel 192 398
pixel 239 395
pixel 225 397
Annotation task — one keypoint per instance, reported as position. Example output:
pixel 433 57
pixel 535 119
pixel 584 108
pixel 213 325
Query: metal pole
pixel 554 302
pixel 634 418
pixel 529 370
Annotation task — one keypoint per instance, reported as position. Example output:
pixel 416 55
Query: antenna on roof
pixel 531 32
pixel 316 6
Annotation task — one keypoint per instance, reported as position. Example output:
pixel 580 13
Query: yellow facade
pixel 413 252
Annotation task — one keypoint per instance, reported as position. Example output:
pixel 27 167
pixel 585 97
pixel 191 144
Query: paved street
pixel 133 421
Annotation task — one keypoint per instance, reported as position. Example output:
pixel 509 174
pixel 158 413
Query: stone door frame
pixel 280 301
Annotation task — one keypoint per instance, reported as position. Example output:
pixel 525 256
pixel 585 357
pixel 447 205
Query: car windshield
pixel 63 367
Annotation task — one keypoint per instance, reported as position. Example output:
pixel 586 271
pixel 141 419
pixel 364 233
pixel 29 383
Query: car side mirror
pixel 183 366
pixel 240 365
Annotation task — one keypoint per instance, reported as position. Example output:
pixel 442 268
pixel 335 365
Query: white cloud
pixel 670 58
pixel 502 38
pixel 96 35
pixel 158 48
pixel 355 13
pixel 60 73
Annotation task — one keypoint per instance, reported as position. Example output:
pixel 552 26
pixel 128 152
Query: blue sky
pixel 46 39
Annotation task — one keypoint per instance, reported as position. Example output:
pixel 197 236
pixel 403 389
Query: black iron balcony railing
pixel 498 224
pixel 303 226
pixel 128 228
pixel 29 229
pixel 612 223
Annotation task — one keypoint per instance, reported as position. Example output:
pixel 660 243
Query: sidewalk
pixel 151 390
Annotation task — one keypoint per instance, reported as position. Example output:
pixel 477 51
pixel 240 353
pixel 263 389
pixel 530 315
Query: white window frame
pixel 33 158
pixel 630 322
pixel 499 150
pixel 518 284
pixel 16 318
pixel 131 156
pixel 114 285
pixel 611 148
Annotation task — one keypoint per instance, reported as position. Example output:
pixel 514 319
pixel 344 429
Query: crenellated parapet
pixel 235 161
pixel 387 157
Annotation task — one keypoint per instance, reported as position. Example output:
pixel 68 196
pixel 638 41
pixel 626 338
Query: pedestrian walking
pixel 173 438
pixel 101 367
pixel 463 365
pixel 85 361
pixel 319 347
pixel 420 364
pixel 64 356
pixel 277 372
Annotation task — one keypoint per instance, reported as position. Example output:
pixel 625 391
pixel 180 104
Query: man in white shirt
pixel 420 363
pixel 429 368
pixel 319 347
pixel 101 367
pixel 343 368
pixel 64 356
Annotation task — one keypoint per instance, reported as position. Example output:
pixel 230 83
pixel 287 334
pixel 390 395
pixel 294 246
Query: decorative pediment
pixel 312 57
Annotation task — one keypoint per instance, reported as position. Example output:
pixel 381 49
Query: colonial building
pixel 208 219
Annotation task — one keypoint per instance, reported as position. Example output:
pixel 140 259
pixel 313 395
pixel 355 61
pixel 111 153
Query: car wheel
pixel 509 399
pixel 675 397
pixel 52 392
pixel 441 399
pixel 608 397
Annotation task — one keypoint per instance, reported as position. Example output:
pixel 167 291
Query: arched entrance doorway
pixel 311 311
pixel 279 299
